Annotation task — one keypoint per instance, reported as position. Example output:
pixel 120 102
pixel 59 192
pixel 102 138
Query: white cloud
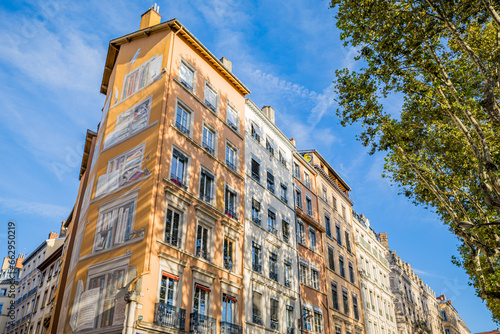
pixel 34 208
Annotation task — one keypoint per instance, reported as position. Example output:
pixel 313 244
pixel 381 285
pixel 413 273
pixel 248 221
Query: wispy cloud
pixel 34 208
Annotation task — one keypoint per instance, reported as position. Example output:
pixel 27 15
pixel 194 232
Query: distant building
pixel 452 322
pixel 374 275
pixel 415 303
pixel 496 331
pixel 9 278
pixel 28 292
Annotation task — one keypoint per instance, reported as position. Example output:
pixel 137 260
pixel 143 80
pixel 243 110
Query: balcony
pixel 169 316
pixel 203 253
pixel 208 148
pixel 273 276
pixel 231 213
pixel 256 267
pixel 206 197
pixel 177 180
pixel 229 328
pixel 182 128
pixel 257 221
pixel 202 324
pixel 288 283
pixel 272 229
pixel 274 325
pixel 231 165
pixel 257 319
pixel 174 241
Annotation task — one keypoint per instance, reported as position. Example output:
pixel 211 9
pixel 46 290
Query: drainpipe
pixel 298 257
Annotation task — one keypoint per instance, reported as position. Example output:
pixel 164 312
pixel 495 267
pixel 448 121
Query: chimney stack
pixel 151 17
pixel 227 64
pixel 293 142
pixel 269 112
pixel 53 235
pixel 383 240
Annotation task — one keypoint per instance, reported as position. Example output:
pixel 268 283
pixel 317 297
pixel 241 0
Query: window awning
pixel 164 273
pixel 202 287
pixel 233 299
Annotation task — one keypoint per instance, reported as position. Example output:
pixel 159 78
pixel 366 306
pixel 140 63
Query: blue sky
pixel 286 52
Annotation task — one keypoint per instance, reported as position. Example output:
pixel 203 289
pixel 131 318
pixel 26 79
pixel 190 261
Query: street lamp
pixel 467 224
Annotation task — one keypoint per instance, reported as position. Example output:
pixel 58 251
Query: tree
pixel 443 148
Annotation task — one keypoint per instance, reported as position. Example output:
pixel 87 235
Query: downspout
pixel 298 257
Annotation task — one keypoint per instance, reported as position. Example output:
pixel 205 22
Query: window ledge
pixel 206 107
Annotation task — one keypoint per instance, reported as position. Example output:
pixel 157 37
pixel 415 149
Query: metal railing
pixel 228 264
pixel 202 253
pixel 177 180
pixel 229 328
pixel 231 213
pixel 202 324
pixel 206 197
pixel 270 187
pixel 273 276
pixel 288 283
pixel 230 165
pixel 256 176
pixel 169 316
pixel 256 267
pixel 257 319
pixel 274 325
pixel 290 330
pixel 284 200
pixel 174 241
pixel 257 220
pixel 272 229
pixel 208 148
pixel 182 128
pixel 231 124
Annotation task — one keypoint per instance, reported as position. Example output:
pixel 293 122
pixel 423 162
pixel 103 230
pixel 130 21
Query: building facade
pixel 310 237
pixel 374 274
pixel 271 285
pixel 452 322
pixel 28 294
pixel 10 274
pixel 334 209
pixel 157 230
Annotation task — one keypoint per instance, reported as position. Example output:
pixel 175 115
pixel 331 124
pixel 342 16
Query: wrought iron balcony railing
pixel 203 253
pixel 229 328
pixel 274 325
pixel 169 316
pixel 202 324
pixel 257 220
pixel 177 180
pixel 272 229
pixel 182 128
pixel 273 276
pixel 208 148
pixel 173 240
pixel 257 319
pixel 256 267
pixel 231 213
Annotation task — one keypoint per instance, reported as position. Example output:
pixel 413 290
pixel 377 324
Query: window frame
pixel 188 129
pixel 194 75
pixel 217 97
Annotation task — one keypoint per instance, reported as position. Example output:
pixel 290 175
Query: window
pixel 273 266
pixel 312 239
pixel 328 226
pixel 256 211
pixel 303 274
pixel 274 314
pixel 286 230
pixel 211 98
pixel 347 242
pixel 228 310
pixel 270 182
pixel 141 76
pixel 256 308
pixel 282 158
pixel 231 156
pixel 183 119
pixel 3 292
pixel 287 274
pixel 114 226
pixel 231 203
pixel 325 194
pixel 301 233
pixel 168 289
pixel 309 206
pixel 172 220
pixel 228 254
pixel 271 222
pixel 201 299
pixel 202 239
pixel 344 214
pixel 318 322
pixel 284 193
pixel 335 296
pixel 207 186
pixel 290 319
pixel 331 258
pixel 339 235
pixel 338 330
pixel 232 118
pixel 315 279
pixel 341 266
pixel 270 146
pixel 307 180
pixel 255 170
pixel 298 198
pixel 307 314
pixel 334 203
pixel 296 170
pixel 351 273
pixel 208 142
pixel 186 76
pixel 255 132
pixel 345 298
pixel 256 253
pixel 108 285
pixel 445 317
pixel 179 167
